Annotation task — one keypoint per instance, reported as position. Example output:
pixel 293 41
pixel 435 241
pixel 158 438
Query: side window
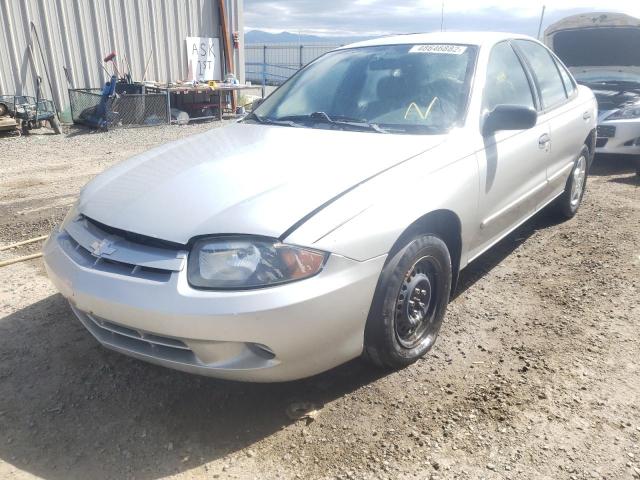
pixel 544 68
pixel 506 83
pixel 569 86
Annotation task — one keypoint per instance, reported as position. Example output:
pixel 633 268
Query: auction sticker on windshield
pixel 433 48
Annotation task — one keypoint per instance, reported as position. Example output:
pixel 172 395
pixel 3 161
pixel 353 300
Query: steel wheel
pixel 566 205
pixel 409 304
pixel 579 177
pixel 415 305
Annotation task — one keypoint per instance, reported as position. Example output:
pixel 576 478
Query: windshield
pixel 415 89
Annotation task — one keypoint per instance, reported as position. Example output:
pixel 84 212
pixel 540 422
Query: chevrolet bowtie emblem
pixel 102 247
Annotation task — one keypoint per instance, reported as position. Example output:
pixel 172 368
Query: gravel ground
pixel 535 375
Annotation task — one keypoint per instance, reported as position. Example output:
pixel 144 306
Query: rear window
pixel 598 47
pixel 546 72
pixel 569 86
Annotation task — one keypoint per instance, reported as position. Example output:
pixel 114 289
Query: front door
pixel 513 163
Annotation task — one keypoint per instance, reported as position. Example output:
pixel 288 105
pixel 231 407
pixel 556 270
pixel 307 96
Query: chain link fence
pixel 89 107
pixel 273 64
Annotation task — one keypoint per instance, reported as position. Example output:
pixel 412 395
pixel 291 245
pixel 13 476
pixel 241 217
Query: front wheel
pixel 567 204
pixel 410 302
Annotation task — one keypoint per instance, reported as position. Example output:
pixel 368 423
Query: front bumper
pixel 619 137
pixel 272 334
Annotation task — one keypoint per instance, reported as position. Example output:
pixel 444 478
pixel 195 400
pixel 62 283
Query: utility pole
pixel 442 17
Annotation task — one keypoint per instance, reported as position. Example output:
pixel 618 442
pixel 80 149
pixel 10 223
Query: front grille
pixel 601 142
pixel 606 131
pixel 91 246
pixel 83 257
pixel 137 341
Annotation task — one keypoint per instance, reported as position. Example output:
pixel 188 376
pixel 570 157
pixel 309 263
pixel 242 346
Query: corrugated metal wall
pixel 78 34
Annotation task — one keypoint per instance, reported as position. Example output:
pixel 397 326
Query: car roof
pixel 465 38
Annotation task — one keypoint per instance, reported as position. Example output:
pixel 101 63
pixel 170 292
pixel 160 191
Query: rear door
pixel 560 109
pixel 513 162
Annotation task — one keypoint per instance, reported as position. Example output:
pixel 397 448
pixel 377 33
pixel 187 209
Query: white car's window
pixel 396 88
pixel 506 82
pixel 546 72
pixel 566 79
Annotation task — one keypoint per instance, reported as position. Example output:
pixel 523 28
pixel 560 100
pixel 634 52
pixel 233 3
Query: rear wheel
pixel 566 206
pixel 409 304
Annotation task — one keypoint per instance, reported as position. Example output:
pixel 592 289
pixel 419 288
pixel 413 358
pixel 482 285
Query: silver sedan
pixel 332 222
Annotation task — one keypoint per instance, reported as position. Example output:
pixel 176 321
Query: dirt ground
pixel 536 373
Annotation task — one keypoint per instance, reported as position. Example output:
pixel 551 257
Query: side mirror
pixel 509 117
pixel 256 103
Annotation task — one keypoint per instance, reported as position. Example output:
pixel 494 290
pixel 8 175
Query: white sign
pixel 433 48
pixel 203 55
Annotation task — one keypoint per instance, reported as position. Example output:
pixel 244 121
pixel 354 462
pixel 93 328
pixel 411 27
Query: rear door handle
pixel 586 115
pixel 544 140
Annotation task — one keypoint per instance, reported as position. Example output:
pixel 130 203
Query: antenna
pixel 541 20
pixel 442 17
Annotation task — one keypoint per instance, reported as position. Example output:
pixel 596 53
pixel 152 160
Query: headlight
pixel 224 263
pixel 627 112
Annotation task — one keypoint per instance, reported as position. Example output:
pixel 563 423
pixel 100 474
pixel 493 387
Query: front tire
pixel 569 202
pixel 410 303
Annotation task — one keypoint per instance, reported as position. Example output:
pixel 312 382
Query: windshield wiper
pixel 339 121
pixel 271 121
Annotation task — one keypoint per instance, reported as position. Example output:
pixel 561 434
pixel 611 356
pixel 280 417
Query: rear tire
pixel 410 303
pixel 567 204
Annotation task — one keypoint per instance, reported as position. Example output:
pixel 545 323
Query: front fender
pixel 366 223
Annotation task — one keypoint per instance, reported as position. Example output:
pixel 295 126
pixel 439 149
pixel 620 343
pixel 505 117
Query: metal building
pixel 77 34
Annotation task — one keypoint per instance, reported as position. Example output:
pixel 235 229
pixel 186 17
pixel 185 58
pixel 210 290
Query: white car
pixel 602 50
pixel 333 221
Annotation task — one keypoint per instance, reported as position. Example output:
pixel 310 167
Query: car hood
pixel 243 179
pixel 590 42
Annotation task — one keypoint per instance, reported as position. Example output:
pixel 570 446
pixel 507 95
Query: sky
pixel 383 17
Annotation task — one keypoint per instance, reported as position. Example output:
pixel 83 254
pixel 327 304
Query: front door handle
pixel 544 140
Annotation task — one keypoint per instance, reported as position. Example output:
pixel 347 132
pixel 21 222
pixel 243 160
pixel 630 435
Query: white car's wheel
pixel 410 303
pixel 568 203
